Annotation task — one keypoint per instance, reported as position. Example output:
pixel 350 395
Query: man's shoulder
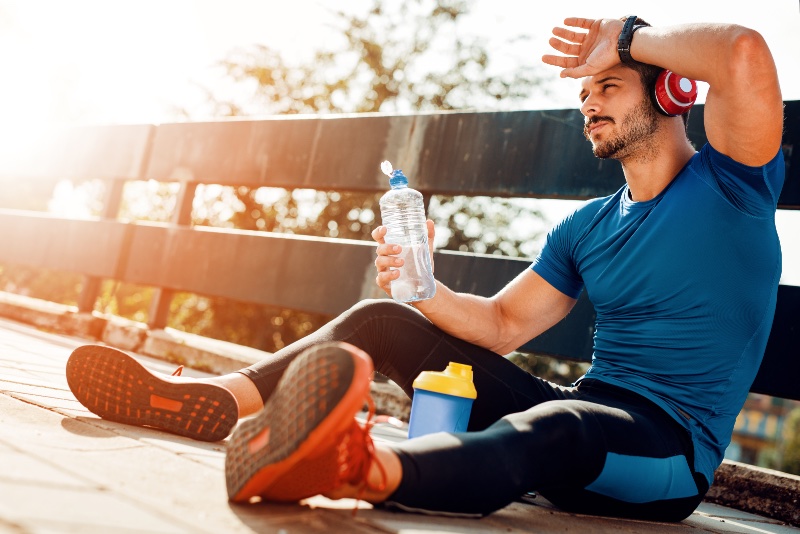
pixel 708 156
pixel 593 206
pixel 753 190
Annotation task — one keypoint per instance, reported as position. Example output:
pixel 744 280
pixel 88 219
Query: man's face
pixel 620 120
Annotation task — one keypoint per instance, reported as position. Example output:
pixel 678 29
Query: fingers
pixel 568 35
pixel 379 233
pixel 568 42
pixel 585 53
pixel 387 250
pixel 577 22
pixel 384 280
pixel 386 260
pixel 387 265
pixel 565 48
pixel 560 61
pixel 431 230
pixel 578 71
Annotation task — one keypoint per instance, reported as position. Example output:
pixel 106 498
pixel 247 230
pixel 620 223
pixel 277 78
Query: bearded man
pixel 681 264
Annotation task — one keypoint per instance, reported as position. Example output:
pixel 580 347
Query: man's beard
pixel 635 137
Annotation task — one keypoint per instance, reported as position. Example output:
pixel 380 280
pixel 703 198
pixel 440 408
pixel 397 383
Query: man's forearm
pixel 468 317
pixel 702 51
pixel 744 108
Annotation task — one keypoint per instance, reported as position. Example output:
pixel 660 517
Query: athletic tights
pixel 594 448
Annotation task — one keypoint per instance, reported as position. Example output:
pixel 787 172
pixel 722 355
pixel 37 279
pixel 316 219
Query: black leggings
pixel 594 448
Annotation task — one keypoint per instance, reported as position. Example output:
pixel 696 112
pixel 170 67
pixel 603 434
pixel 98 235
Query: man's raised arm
pixel 744 108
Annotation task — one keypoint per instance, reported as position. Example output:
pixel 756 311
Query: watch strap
pixel 626 38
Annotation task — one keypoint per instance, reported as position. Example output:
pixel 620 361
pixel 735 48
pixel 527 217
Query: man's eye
pixel 606 86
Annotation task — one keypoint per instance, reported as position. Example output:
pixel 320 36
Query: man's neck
pixel 649 172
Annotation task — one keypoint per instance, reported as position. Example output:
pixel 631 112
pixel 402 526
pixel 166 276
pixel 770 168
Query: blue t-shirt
pixel 684 286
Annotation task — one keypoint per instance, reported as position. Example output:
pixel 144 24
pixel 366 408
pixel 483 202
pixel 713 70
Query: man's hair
pixel 649 73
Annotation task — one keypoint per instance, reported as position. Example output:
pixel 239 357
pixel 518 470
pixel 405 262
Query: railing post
pixel 90 288
pixel 162 297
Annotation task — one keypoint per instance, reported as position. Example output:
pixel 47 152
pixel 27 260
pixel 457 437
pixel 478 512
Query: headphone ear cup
pixel 673 94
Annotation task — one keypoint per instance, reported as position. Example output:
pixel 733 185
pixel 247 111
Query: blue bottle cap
pixel 398 179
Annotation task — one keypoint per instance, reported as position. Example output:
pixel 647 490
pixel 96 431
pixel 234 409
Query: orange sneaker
pixel 306 440
pixel 116 387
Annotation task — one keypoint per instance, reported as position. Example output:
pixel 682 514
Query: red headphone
pixel 673 94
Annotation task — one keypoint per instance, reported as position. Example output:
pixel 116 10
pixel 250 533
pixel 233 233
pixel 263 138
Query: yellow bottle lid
pixel 456 380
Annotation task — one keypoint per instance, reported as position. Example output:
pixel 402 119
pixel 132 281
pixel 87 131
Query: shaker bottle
pixel 442 400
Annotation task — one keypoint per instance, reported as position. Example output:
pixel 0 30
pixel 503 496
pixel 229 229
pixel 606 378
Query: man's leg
pixel 306 442
pixel 606 451
pixel 117 387
pixel 402 343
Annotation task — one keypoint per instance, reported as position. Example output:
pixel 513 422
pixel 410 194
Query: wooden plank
pixel 303 273
pixel 781 365
pixel 314 274
pixel 503 154
pixel 89 247
pixel 538 154
pixel 790 194
pixel 292 152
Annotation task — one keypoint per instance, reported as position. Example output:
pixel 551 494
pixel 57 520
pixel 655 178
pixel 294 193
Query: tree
pixel 392 57
pixel 396 57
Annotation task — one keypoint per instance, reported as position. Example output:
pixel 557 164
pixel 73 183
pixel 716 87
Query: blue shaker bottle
pixel 442 400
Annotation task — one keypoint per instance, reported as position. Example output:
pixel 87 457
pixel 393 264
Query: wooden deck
pixel 65 470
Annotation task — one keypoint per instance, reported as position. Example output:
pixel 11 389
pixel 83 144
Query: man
pixel 682 265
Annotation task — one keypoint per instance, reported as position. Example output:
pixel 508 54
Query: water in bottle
pixel 403 215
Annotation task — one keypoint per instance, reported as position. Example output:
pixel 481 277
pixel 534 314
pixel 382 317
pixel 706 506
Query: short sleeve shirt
pixel 684 287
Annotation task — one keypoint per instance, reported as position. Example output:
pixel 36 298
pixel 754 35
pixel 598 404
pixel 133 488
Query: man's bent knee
pixel 372 308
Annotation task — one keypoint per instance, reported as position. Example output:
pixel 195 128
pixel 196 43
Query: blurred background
pixel 146 61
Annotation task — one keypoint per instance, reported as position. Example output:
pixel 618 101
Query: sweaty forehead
pixel 618 73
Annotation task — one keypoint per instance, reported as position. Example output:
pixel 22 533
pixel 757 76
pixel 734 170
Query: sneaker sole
pixel 315 403
pixel 116 387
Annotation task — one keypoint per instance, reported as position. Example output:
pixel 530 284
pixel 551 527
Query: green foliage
pixel 791 442
pixel 261 327
pixel 130 301
pixel 43 284
pixel 407 56
pixel 392 57
pixel 396 56
pixel 551 369
pixel 486 225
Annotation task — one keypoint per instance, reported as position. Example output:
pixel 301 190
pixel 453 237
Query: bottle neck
pixel 398 180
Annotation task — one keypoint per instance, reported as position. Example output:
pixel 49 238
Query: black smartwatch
pixel 626 38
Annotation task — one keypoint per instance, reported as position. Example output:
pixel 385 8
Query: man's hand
pixel 387 261
pixel 586 53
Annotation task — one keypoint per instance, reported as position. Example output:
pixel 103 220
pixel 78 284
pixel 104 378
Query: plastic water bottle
pixel 403 215
pixel 442 401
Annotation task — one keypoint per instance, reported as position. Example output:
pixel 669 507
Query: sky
pixel 139 61
pixel 123 61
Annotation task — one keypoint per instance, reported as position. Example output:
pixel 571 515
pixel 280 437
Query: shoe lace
pixel 356 456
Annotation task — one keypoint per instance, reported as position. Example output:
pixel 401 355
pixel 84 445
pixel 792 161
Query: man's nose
pixel 590 106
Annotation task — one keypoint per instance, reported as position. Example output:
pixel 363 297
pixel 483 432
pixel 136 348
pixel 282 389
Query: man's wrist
pixel 625 39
